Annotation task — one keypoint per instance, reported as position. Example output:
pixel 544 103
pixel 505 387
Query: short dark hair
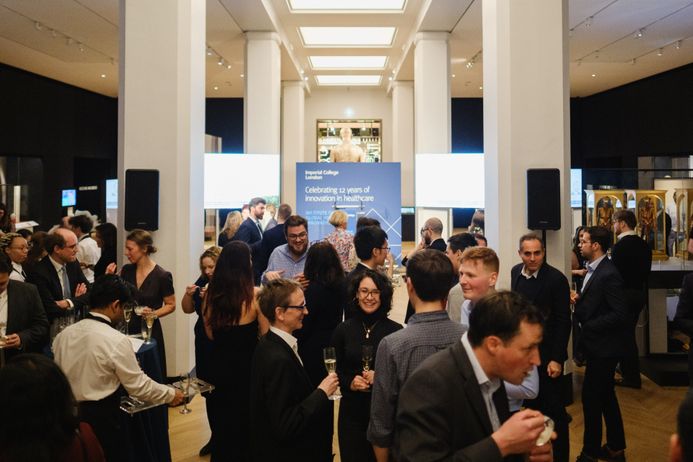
pixel 323 265
pixel 109 235
pixel 430 272
pixel 601 236
pixel 481 236
pixel 461 241
pixel 284 211
pixel 500 314
pixel 53 240
pixel 684 426
pixel 626 216
pixel 367 239
pixel 530 237
pixel 257 200
pixel 276 293
pixel 82 222
pixel 108 289
pixel 5 264
pixel 295 220
pixel 383 284
pixel 364 221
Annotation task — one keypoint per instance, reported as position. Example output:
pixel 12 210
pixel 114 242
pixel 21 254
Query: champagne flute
pixel 127 315
pixel 330 357
pixel 185 387
pixel 545 435
pixel 149 321
pixel 366 357
pixel 3 342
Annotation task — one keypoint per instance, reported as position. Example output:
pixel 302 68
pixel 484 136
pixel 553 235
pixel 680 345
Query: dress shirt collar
pixel 289 254
pixel 364 265
pixel 591 266
pixel 481 377
pixel 626 233
pixel 534 275
pixel 56 265
pixel 429 316
pixel 18 268
pixel 287 337
pixel 100 315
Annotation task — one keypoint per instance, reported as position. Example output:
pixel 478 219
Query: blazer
pixel 553 300
pixel 633 258
pixel 44 276
pixel 454 304
pixel 441 414
pixel 288 415
pixel 603 314
pixel 248 232
pixel 25 317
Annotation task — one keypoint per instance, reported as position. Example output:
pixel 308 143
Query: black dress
pixel 157 285
pixel 355 406
pixel 228 409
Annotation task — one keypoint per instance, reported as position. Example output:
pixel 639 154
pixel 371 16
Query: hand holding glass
pixel 330 358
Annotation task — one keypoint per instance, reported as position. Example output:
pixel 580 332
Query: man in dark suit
pixel 454 406
pixel 250 230
pixel 633 259
pixel 271 239
pixel 288 416
pixel 602 313
pixel 26 325
pixel 548 289
pixel 58 276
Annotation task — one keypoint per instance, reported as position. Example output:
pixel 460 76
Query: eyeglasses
pixel 296 307
pixel 582 241
pixel 384 248
pixel 295 237
pixel 364 293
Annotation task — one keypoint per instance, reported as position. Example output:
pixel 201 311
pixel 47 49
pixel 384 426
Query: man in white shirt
pixel 100 362
pixel 88 252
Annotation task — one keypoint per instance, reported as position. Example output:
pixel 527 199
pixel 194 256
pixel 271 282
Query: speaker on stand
pixel 142 199
pixel 543 200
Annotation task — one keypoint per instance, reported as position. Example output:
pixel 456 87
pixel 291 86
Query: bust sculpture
pixel 346 152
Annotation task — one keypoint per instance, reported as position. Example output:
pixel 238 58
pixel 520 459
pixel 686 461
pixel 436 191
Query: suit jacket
pixel 248 232
pixel 441 413
pixel 44 276
pixel 603 314
pixel 454 305
pixel 553 300
pixel 25 317
pixel 633 258
pixel 288 415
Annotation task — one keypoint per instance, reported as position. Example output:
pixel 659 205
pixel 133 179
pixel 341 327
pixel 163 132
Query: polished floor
pixel 649 416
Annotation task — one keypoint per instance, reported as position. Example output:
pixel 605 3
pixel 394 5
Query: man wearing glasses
pixel 287 261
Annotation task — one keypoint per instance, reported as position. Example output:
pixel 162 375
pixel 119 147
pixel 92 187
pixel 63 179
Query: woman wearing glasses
pixel 356 342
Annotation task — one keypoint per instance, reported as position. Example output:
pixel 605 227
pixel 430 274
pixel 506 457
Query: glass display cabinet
pixel 366 135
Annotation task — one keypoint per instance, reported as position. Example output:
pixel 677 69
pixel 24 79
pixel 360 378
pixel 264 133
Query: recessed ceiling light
pixel 347 62
pixel 242 75
pixel 594 75
pixel 103 76
pixel 453 76
pixel 347 36
pixel 215 87
pixel 346 5
pixel 348 79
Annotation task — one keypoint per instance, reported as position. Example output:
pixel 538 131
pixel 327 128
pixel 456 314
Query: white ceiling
pixel 76 41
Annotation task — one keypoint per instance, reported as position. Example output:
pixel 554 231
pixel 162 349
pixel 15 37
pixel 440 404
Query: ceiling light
pixel 347 36
pixel 481 88
pixel 347 62
pixel 215 87
pixel 640 33
pixel 209 52
pixel 305 78
pixel 660 52
pixel 678 44
pixel 453 76
pixel 81 48
pixel 54 34
pixel 228 66
pixel 346 5
pixel 390 79
pixel 220 62
pixel 633 61
pixel 348 79
pixel 38 25
pixel 103 76
pixel 589 21
pixel 242 75
pixel 594 75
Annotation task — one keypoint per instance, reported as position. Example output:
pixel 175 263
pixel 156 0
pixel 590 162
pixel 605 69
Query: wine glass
pixel 366 357
pixel 139 309
pixel 3 342
pixel 185 382
pixel 127 315
pixel 147 324
pixel 545 435
pixel 330 357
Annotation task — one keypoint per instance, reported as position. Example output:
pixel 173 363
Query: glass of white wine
pixel 330 357
pixel 147 324
pixel 127 315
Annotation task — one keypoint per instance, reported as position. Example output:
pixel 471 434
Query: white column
pixel 432 93
pixel 161 118
pixel 526 119
pixel 293 144
pixel 262 102
pixel 403 136
pixel 432 105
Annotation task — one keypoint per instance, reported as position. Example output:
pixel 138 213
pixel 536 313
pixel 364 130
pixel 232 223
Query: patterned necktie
pixel 259 227
pixel 66 282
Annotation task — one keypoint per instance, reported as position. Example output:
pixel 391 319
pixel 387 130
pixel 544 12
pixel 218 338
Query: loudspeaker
pixel 543 198
pixel 142 199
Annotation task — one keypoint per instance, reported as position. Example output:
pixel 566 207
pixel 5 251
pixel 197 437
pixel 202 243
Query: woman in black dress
pixel 371 293
pixel 105 236
pixel 154 286
pixel 232 323
pixel 192 303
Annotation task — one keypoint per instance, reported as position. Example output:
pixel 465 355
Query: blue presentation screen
pixel 360 189
pixel 69 197
pixel 576 188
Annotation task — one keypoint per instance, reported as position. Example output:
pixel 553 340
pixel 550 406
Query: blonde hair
pixel 233 222
pixel 486 255
pixel 338 218
pixel 213 253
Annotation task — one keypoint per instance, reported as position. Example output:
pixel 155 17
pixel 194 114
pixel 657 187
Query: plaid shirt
pixel 399 354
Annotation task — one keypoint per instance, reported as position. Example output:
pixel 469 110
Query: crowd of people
pixel 286 325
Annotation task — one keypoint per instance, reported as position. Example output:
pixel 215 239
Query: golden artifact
pixel 651 215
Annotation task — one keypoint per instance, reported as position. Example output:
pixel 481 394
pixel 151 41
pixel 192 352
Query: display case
pixel 683 199
pixel 601 205
pixel 366 135
pixel 650 212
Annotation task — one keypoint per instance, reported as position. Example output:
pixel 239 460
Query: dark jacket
pixel 287 413
pixel 603 314
pixel 441 413
pixel 248 232
pixel 44 276
pixel 633 259
pixel 25 317
pixel 553 300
